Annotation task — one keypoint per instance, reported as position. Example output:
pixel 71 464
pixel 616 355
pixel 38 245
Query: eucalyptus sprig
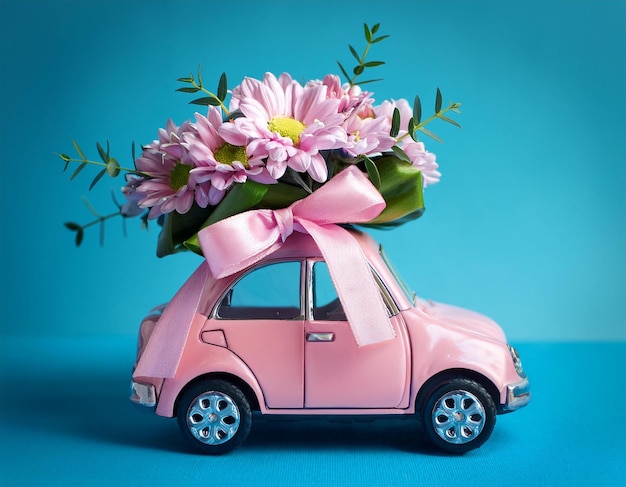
pixel 416 124
pixel 108 164
pixel 360 58
pixel 100 221
pixel 215 99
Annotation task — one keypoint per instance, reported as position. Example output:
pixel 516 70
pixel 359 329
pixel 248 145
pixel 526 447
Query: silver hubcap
pixel 213 418
pixel 458 417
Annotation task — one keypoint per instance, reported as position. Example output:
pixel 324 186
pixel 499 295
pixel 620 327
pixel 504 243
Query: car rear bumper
pixel 143 394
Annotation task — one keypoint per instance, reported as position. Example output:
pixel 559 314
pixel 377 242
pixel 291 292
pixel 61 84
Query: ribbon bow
pixel 235 243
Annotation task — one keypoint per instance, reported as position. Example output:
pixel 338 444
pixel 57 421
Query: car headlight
pixel 516 361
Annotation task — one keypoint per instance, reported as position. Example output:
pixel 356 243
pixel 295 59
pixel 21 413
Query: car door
pixel 337 372
pixel 262 317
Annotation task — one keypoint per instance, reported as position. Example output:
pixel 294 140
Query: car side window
pixel 326 304
pixel 268 292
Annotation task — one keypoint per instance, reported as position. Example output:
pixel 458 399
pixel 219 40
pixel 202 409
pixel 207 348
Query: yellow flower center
pixel 179 176
pixel 287 127
pixel 228 153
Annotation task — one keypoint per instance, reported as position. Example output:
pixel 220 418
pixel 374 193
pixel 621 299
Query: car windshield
pixel 410 295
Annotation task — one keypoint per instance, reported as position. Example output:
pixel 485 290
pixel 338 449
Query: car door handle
pixel 320 337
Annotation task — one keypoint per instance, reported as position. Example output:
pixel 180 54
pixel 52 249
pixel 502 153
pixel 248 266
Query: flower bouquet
pixel 269 143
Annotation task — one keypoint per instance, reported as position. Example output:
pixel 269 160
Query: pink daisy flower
pixel 221 157
pixel 166 164
pixel 133 197
pixel 350 98
pixel 423 160
pixel 288 124
pixel 385 109
pixel 368 136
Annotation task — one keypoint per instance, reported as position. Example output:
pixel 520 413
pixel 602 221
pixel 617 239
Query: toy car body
pixel 274 339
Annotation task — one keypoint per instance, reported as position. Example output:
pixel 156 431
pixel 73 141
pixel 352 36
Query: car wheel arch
pixel 247 390
pixel 448 375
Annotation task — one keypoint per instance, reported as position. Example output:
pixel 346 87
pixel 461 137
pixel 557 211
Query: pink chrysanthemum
pixel 166 165
pixel 423 160
pixel 288 124
pixel 221 157
pixel 385 109
pixel 133 197
pixel 350 97
pixel 368 136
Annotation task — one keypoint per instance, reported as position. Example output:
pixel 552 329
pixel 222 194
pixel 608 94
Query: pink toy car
pixel 274 339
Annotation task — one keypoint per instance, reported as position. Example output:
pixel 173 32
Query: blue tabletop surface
pixel 66 420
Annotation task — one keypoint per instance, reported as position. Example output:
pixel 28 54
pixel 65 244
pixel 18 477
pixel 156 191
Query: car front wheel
pixel 459 416
pixel 214 416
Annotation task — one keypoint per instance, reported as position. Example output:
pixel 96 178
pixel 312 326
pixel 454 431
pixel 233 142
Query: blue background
pixel 526 226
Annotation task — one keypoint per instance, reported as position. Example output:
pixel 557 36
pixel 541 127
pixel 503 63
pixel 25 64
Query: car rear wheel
pixel 214 416
pixel 459 416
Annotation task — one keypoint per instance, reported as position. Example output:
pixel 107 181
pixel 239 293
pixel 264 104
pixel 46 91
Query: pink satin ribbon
pixel 235 243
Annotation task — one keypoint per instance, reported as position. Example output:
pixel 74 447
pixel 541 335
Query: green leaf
pixel 401 154
pixel 425 131
pixel 78 150
pixel 375 28
pixel 132 153
pixel 372 64
pixel 90 207
pixel 281 195
pixel 97 178
pixel 206 100
pixel 417 110
pixel 65 157
pixel 438 101
pixel 343 71
pixel 297 177
pixel 358 70
pixel 449 120
pixel 222 87
pixel 103 155
pixel 412 129
pixel 378 39
pixel 368 33
pixel 401 187
pixel 186 80
pixel 177 228
pixel 72 226
pixel 372 172
pixel 355 54
pixel 190 89
pixel 200 75
pixel 395 123
pixel 78 170
pixel 240 198
pixel 79 237
pixel 113 167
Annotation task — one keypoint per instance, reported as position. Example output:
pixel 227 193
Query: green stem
pixel 361 62
pixel 101 219
pixel 423 123
pixel 203 89
pixel 103 164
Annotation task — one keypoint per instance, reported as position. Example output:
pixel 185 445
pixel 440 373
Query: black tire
pixel 459 416
pixel 214 416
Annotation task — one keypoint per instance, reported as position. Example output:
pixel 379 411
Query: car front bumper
pixel 517 395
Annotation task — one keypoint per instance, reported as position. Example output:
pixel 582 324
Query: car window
pixel 326 304
pixel 270 291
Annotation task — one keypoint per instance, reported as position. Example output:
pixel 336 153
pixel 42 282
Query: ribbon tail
pixel 357 289
pixel 167 342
